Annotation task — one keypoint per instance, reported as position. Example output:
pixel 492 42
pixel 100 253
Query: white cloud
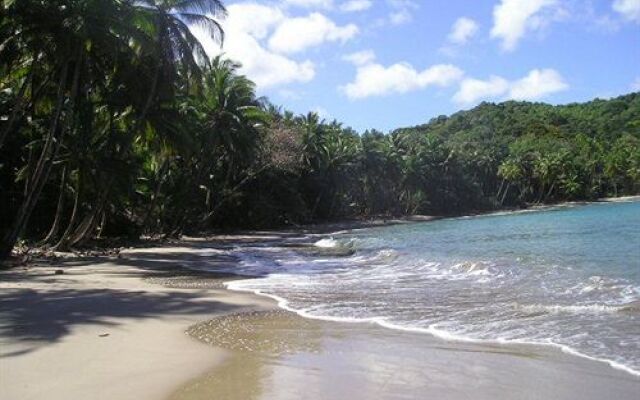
pixel 377 80
pixel 251 18
pixel 356 5
pixel 262 37
pixel 246 25
pixel 635 85
pixel 537 84
pixel 400 17
pixel 471 90
pixel 297 34
pixel 629 9
pixel 463 30
pixel 400 12
pixel 513 18
pixel 326 4
pixel 360 57
pixel 266 68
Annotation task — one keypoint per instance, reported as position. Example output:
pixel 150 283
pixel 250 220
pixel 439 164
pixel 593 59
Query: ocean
pixel 566 276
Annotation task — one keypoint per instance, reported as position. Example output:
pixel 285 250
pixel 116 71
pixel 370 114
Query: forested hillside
pixel 113 122
pixel 515 153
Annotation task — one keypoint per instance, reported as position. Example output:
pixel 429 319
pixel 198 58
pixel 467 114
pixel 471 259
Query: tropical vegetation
pixel 114 122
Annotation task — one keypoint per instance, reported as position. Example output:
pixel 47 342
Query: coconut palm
pixel 171 45
pixel 81 54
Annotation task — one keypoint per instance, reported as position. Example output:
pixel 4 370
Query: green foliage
pixel 113 122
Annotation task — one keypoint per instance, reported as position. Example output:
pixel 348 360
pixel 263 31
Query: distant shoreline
pixel 319 228
pixel 378 221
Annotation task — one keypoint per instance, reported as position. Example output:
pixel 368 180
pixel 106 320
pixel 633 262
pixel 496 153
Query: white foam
pixel 431 330
pixel 574 309
pixel 326 243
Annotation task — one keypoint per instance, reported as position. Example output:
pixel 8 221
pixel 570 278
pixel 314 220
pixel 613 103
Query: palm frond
pixel 209 25
pixel 213 8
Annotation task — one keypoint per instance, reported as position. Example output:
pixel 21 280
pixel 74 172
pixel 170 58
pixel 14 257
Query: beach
pixel 141 326
pixel 104 330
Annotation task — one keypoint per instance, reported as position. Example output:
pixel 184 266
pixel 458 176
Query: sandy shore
pixel 106 328
pixel 115 329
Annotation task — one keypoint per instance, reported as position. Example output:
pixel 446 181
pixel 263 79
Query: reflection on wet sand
pixel 278 355
pixel 257 340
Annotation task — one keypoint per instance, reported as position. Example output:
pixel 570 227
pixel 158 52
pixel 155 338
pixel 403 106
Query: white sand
pixel 51 325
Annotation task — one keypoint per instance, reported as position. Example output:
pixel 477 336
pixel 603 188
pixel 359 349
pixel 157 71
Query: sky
pixel 386 64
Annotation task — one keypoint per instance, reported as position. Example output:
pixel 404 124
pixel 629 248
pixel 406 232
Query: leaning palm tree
pixel 77 51
pixel 56 34
pixel 170 44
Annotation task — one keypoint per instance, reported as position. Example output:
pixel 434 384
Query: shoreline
pixel 439 334
pixel 280 355
pixel 312 229
pixel 349 225
pixel 148 275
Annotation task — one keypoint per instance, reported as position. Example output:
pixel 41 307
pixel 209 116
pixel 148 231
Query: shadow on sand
pixel 31 315
pixel 38 316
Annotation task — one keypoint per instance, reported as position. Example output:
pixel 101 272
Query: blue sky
pixel 391 63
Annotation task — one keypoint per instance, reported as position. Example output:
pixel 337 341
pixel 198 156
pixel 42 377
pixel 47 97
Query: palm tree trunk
pixel 55 227
pixel 553 185
pixel 90 221
pixel 504 195
pixel 224 199
pixel 541 194
pixel 500 189
pixel 103 223
pixel 72 220
pixel 41 172
pixel 49 153
pixel 150 97
pixel 156 193
pixel 83 229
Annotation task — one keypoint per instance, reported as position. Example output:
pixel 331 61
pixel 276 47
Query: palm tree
pixel 171 44
pixel 81 53
pixel 511 172
pixel 61 42
pixel 228 121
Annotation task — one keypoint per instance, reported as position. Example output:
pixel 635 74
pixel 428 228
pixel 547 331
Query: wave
pixel 473 268
pixel 598 287
pixel 448 336
pixel 574 309
pixel 457 286
pixel 326 243
pixel 432 330
pixel 479 271
pixel 379 257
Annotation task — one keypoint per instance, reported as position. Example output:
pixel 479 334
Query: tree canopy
pixel 114 122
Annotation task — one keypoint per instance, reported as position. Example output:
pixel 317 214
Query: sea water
pixel 566 276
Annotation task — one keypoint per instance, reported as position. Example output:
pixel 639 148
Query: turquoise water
pixel 568 276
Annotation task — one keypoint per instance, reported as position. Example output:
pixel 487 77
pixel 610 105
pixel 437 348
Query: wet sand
pixel 279 355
